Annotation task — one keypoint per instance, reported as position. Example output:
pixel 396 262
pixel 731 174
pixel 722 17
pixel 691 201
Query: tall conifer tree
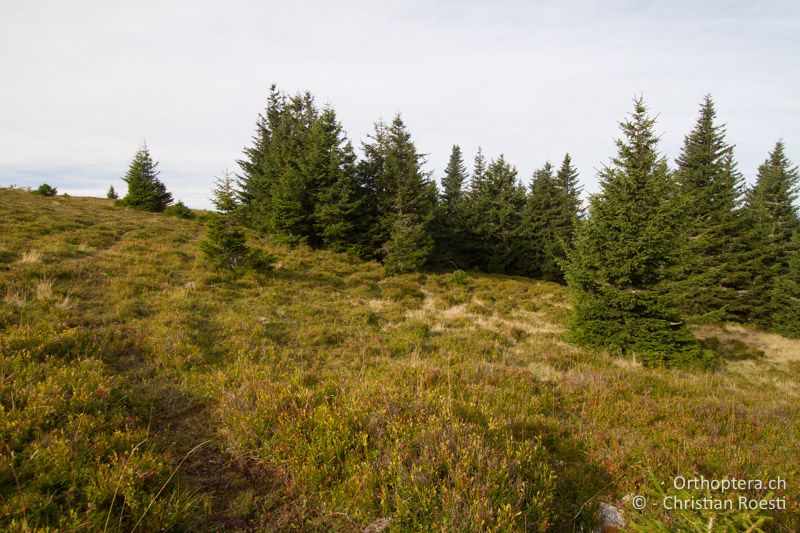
pixel 618 268
pixel 398 198
pixel 551 216
pixel 772 217
pixel 478 169
pixel 292 198
pixel 377 192
pixel 546 221
pixel 494 213
pixel 785 297
pixel 709 189
pixel 410 242
pixel 450 232
pixel 455 177
pixel 329 165
pixel 259 166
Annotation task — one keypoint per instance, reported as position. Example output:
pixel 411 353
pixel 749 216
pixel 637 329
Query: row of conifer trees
pixel 658 247
pixel 663 247
pixel 302 182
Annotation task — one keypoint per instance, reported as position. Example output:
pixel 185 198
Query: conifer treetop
pixel 455 175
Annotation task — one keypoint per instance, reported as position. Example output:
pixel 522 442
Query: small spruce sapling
pixel 225 246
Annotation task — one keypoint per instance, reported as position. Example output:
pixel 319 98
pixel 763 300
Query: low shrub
pixel 178 210
pixel 46 190
pixel 459 277
pixel 390 453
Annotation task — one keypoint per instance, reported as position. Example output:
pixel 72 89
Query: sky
pixel 85 82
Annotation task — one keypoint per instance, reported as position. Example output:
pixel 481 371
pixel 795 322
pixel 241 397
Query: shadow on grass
pixel 580 483
pixel 179 421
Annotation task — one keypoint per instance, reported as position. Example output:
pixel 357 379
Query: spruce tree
pixel 409 245
pixel 398 198
pixel 618 269
pixel 299 180
pixel 551 216
pixel 494 213
pixel 225 246
pixel 785 297
pixel 376 193
pixel 329 167
pixel 450 230
pixel 472 249
pixel 542 228
pixel 260 164
pixel 571 213
pixel 112 194
pixel 277 192
pixel 290 212
pixel 410 242
pixel 772 216
pixel 709 277
pixel 145 190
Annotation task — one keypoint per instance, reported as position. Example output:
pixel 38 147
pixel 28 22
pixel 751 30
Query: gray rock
pixel 610 518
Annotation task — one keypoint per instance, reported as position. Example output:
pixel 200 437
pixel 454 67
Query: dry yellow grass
pixel 30 257
pixel 43 290
pixel 776 348
pixel 65 302
pixel 544 371
pixel 775 370
pixel 377 305
pixel 15 298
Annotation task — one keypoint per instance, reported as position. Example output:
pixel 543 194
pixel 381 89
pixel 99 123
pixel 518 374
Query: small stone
pixel 610 518
pixel 379 525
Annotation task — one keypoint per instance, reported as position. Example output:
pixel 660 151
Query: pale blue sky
pixel 85 81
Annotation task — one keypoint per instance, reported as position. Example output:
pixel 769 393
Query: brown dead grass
pixel 774 370
pixel 545 372
pixel 30 257
pixel 777 349
pixel 377 305
pixel 529 324
pixel 15 298
pixel 43 290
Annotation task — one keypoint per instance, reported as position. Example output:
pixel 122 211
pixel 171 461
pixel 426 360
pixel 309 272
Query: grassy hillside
pixel 140 390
